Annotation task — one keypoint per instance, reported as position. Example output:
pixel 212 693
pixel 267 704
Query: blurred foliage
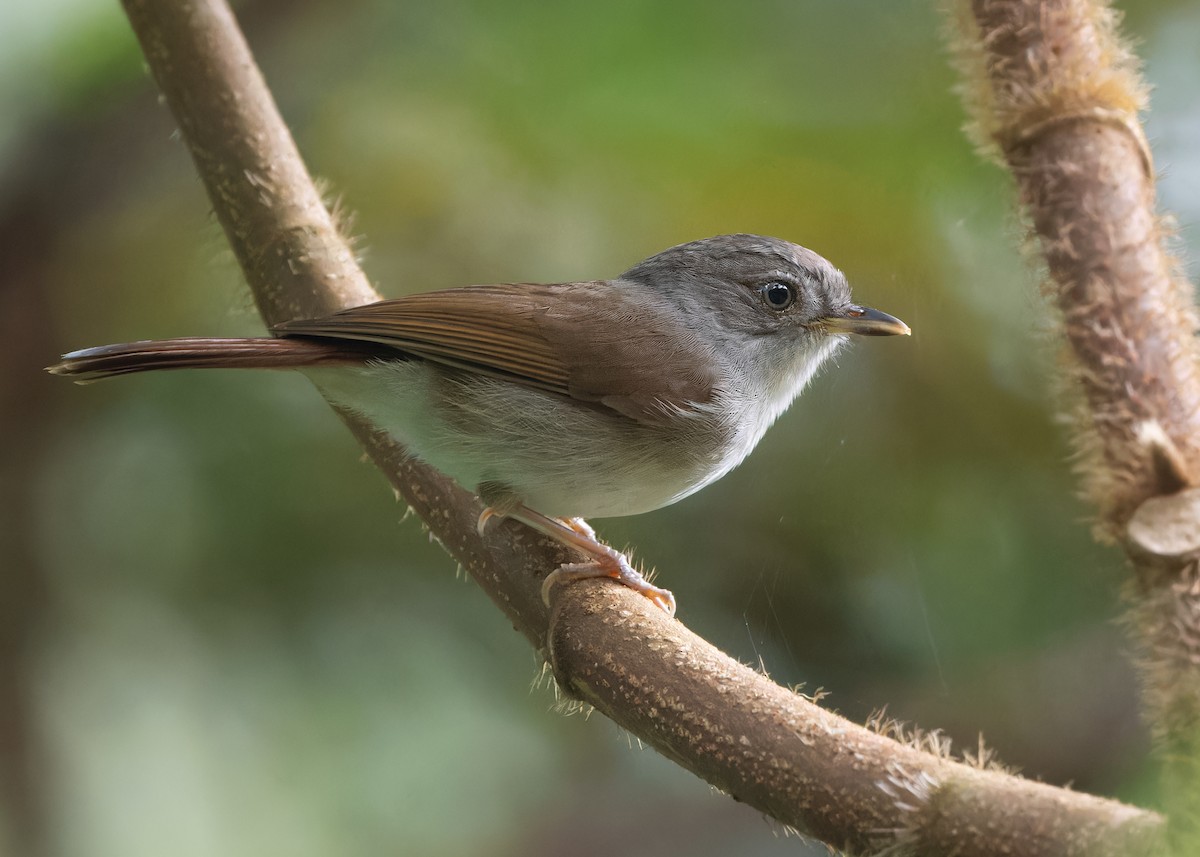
pixel 227 643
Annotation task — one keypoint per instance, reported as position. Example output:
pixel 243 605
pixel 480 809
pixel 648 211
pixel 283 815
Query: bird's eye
pixel 777 295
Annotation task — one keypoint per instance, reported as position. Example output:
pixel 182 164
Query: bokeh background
pixel 217 636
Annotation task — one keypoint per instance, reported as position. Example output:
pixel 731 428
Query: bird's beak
pixel 864 321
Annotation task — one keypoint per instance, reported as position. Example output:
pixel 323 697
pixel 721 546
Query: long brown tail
pixel 107 361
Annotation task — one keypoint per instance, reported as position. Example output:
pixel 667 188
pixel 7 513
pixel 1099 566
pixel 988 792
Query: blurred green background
pixel 217 637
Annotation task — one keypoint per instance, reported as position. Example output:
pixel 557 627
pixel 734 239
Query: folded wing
pixel 588 341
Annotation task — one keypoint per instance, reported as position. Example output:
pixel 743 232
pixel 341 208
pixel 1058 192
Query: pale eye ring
pixel 778 295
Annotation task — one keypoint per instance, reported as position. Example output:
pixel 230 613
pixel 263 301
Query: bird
pixel 565 401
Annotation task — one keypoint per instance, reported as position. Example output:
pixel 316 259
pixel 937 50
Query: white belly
pixel 560 457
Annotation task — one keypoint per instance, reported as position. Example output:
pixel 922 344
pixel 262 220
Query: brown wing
pixel 542 336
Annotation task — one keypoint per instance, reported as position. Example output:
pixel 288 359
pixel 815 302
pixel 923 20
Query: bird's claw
pixel 616 567
pixel 484 518
pixel 576 533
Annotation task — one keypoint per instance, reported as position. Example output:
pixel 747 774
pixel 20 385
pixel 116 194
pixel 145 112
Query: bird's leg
pixel 602 561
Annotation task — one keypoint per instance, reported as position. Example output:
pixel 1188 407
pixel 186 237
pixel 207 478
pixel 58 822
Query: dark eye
pixel 777 295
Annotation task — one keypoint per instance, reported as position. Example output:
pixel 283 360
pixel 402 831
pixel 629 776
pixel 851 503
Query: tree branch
pixel 1055 93
pixel 765 745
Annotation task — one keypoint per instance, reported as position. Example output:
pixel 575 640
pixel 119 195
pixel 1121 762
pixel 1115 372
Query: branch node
pixel 1168 526
pixel 1167 461
pixel 1017 136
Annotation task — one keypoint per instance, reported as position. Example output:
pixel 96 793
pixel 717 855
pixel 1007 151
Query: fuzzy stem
pixel 1055 93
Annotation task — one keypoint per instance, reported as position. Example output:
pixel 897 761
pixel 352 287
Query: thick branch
pixel 771 748
pixel 1056 93
pixel 764 744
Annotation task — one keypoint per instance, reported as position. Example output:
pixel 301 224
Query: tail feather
pixel 108 361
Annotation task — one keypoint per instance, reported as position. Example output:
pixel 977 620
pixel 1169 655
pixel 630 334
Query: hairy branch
pixel 765 745
pixel 1056 94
